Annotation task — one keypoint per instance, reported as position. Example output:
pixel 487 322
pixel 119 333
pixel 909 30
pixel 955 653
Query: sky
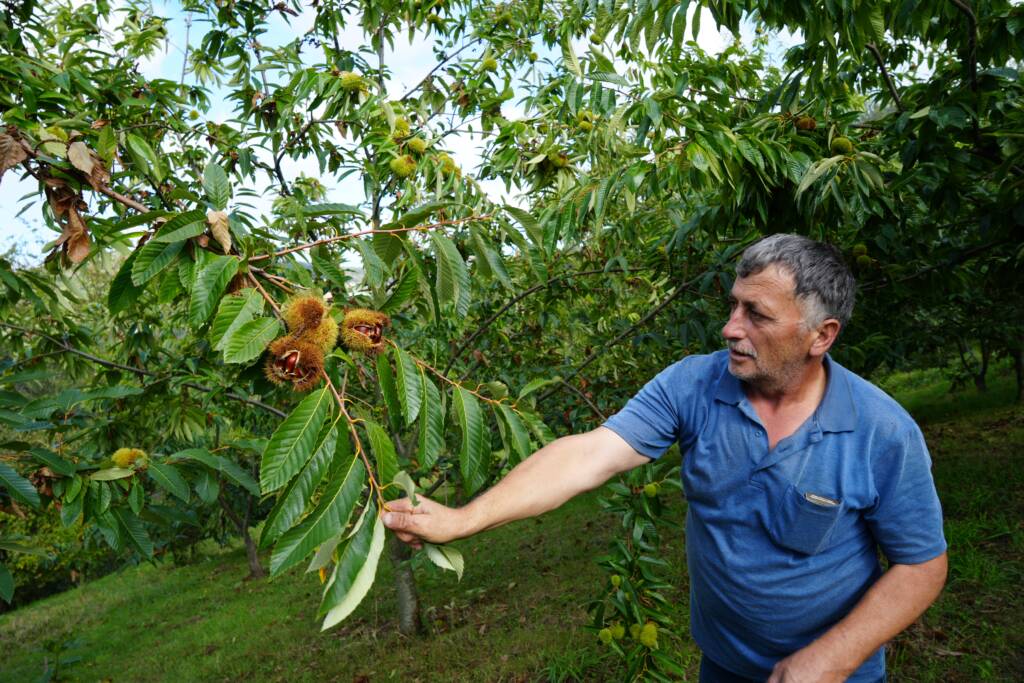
pixel 409 63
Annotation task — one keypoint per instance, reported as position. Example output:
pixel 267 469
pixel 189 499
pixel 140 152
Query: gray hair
pixel 825 287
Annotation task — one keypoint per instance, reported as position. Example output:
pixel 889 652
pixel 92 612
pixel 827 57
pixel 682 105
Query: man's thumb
pixel 398 521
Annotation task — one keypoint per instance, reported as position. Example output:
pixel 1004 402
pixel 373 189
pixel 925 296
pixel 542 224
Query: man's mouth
pixel 741 353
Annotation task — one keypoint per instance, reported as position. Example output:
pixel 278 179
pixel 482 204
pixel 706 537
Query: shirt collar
pixel 837 411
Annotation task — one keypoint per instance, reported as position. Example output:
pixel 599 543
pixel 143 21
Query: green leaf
pixel 535 384
pixel 473 452
pixel 123 293
pixel 70 510
pixel 6 584
pixel 112 473
pixel 406 483
pixel 384 455
pixel 373 267
pixel 518 436
pixel 216 185
pixel 135 497
pixel 333 209
pixel 14 547
pixel 169 479
pixel 569 58
pixel 327 265
pixel 401 292
pixel 446 557
pixel 292 443
pixel 529 223
pixel 328 519
pixel 207 486
pixel 56 463
pixel 249 341
pixel 536 425
pixel 132 526
pixel 386 380
pixel 220 464
pixel 452 275
pixel 151 259
pixel 19 487
pixel 324 554
pixel 408 385
pixel 234 311
pixel 292 501
pixel 210 282
pixel 431 423
pixel 182 227
pixel 144 157
pixel 354 573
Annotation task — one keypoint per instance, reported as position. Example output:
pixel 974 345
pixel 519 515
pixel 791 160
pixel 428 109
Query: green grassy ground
pixel 518 614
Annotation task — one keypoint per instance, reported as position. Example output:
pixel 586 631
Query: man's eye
pixel 754 315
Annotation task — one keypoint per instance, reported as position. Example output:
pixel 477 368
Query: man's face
pixel 768 343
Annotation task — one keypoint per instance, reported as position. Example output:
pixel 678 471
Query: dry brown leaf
pixel 100 176
pixel 62 198
pixel 218 221
pixel 11 153
pixel 99 123
pixel 80 157
pixel 77 246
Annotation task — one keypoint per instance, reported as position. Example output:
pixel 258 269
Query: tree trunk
pixel 409 622
pixel 256 570
pixel 980 378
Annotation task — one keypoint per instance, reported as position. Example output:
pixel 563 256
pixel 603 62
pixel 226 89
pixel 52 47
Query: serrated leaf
pixel 529 223
pixel 136 500
pixel 293 500
pixel 446 558
pixel 518 436
pixel 384 455
pixel 402 290
pixel 220 464
pixel 324 554
pixel 386 380
pixel 452 275
pixel 249 340
pixel 152 258
pixel 111 473
pixel 354 573
pixel 326 265
pixel 408 385
pixel 431 423
pixel 207 487
pixel 541 432
pixel 142 154
pixel 216 185
pixel 472 453
pixel 234 311
pixel 218 222
pixel 292 442
pixel 210 282
pixel 535 384
pixel 406 483
pixel 328 519
pixel 19 487
pixel 187 231
pixel 136 533
pixel 373 267
pixel 569 58
pixel 80 158
pixel 56 463
pixel 173 229
pixel 168 478
pixel 333 209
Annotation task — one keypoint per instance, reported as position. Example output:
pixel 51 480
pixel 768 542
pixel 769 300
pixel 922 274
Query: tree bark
pixel 409 622
pixel 256 570
pixel 981 377
pixel 1018 367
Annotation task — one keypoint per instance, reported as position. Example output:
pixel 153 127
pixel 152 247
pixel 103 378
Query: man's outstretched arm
pixel 899 597
pixel 542 482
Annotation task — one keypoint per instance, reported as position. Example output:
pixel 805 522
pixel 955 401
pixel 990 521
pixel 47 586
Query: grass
pixel 518 614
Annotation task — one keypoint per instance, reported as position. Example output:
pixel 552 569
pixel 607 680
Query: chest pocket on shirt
pixel 804 525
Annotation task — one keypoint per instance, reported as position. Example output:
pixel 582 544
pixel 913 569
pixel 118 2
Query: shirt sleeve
pixel 906 519
pixel 653 419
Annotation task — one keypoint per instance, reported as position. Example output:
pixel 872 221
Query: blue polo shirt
pixel 782 543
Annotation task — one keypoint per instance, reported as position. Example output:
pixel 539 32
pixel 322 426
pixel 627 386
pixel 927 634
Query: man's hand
pixel 807 666
pixel 427 521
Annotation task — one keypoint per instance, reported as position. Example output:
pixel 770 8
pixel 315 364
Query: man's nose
pixel 732 328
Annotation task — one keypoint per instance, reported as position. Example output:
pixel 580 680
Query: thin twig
pixel 140 371
pixel 512 302
pixel 682 287
pixel 590 403
pixel 972 43
pixel 885 74
pixel 352 235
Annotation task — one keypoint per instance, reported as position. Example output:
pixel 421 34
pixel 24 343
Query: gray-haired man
pixel 796 472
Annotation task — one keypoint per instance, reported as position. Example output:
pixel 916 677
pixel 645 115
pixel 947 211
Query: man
pixel 796 472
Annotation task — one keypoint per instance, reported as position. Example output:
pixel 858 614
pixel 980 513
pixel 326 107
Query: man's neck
pixel 807 388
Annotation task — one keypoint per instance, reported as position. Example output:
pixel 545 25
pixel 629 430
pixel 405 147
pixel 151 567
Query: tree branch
pixel 682 287
pixel 590 403
pixel 64 346
pixel 512 302
pixel 972 42
pixel 885 74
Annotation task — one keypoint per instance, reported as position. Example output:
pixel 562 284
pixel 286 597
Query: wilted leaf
pixel 218 221
pixel 80 157
pixel 11 153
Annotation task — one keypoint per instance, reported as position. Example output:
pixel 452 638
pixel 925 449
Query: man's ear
pixel 824 336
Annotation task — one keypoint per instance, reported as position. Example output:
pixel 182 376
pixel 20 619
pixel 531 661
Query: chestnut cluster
pixel 298 357
pixel 363 330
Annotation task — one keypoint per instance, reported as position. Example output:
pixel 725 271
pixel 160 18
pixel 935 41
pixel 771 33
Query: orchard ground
pixel 519 612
